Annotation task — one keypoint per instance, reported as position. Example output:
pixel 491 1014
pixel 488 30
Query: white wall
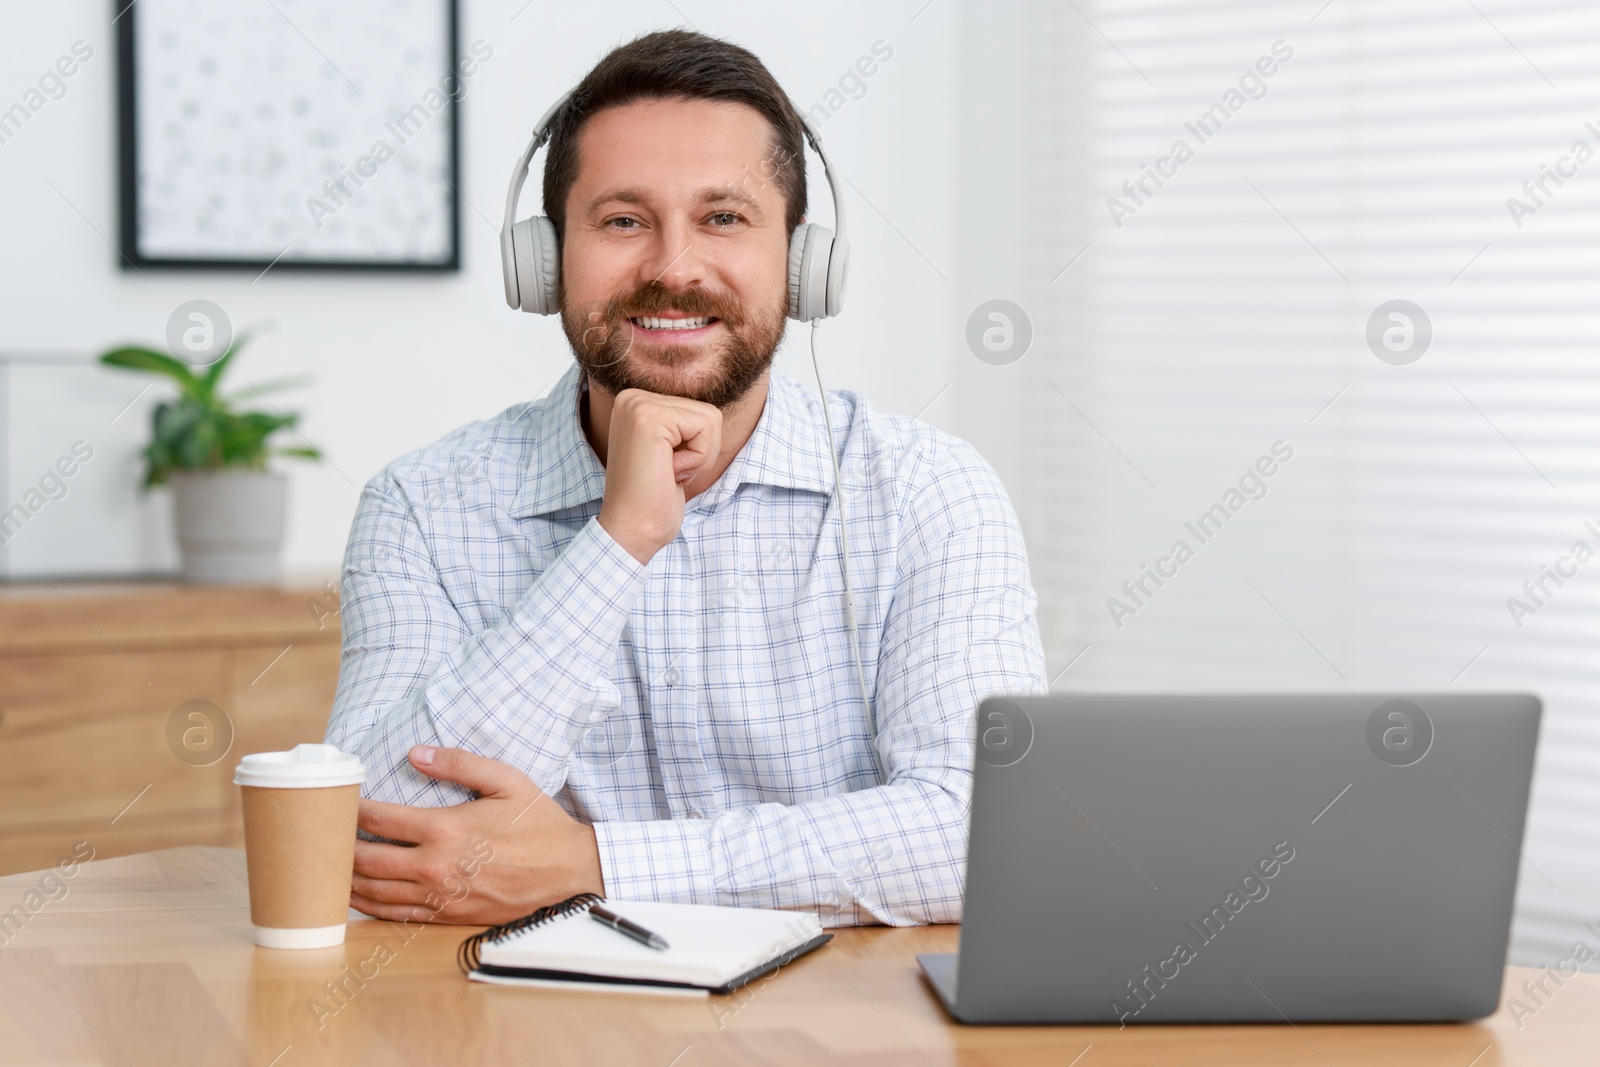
pixel 399 361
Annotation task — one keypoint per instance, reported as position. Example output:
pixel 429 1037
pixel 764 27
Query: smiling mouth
pixel 657 322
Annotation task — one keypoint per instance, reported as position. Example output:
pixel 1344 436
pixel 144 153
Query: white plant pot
pixel 230 525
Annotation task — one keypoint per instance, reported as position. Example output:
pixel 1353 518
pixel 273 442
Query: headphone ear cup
pixel 838 266
pixel 797 259
pixel 537 265
pixel 549 276
pixel 508 267
pixel 809 252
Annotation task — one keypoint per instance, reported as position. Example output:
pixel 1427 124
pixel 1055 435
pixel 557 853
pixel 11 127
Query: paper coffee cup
pixel 300 843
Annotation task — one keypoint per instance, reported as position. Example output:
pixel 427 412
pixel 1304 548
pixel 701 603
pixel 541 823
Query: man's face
pixel 674 263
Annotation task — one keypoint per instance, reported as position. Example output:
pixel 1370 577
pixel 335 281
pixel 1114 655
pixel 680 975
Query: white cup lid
pixel 303 767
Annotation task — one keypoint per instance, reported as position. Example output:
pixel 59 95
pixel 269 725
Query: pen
pixel 606 917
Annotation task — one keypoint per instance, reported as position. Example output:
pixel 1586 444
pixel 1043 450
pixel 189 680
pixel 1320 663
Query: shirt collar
pixel 789 449
pixel 563 470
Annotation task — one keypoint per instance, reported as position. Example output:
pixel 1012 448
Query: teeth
pixel 651 322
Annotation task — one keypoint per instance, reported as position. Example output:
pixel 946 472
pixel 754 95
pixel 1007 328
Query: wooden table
pixel 147 960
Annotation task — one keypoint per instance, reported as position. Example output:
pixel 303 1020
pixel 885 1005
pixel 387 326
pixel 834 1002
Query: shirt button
pixel 672 677
pixel 693 814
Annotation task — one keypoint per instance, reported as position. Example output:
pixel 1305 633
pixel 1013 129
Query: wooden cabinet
pixel 123 710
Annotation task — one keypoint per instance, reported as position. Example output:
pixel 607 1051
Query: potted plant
pixel 229 509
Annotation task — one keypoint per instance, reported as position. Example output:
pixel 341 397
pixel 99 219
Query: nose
pixel 674 257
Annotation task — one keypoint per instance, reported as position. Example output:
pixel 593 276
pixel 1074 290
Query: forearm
pixel 522 692
pixel 893 854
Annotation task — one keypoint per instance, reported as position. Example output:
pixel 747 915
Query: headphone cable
pixel 844 551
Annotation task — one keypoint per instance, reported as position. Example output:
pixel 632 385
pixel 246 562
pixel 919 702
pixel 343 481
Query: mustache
pixel 653 298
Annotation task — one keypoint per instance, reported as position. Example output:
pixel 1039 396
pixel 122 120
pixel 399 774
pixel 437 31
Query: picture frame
pixel 284 136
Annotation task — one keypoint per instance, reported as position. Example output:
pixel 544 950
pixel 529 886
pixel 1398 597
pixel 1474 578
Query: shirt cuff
pixel 662 860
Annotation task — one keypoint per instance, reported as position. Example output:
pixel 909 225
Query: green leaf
pixel 243 437
pixel 153 362
pixel 198 449
pixel 171 423
pixel 302 453
pixel 214 372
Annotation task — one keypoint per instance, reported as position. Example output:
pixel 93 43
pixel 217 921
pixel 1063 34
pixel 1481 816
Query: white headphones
pixel 530 256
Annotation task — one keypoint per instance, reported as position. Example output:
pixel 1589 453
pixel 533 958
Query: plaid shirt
pixel 701 711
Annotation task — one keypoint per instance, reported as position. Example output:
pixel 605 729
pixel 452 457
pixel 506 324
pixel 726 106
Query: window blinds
pixel 1229 197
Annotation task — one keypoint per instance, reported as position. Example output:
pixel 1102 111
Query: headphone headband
pixel 541 134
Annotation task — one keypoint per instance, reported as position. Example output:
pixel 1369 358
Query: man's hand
pixel 656 447
pixel 489 860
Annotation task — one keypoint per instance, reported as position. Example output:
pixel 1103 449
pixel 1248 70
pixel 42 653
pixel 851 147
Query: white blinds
pixel 1227 317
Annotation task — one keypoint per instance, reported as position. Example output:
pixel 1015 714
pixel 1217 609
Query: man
pixel 608 628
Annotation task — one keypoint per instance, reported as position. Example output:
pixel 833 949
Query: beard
pixel 603 343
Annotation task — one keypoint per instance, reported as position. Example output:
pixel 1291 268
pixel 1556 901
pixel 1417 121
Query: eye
pixel 622 222
pixel 725 219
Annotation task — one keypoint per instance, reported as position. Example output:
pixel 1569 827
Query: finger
pixel 696 451
pixel 387 891
pixel 686 461
pixel 706 437
pixel 377 860
pixel 484 776
pixel 398 822
pixel 685 423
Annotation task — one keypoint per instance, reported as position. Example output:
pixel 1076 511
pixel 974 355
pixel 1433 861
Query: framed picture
pixel 291 133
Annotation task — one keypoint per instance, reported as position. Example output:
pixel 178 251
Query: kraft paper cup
pixel 300 843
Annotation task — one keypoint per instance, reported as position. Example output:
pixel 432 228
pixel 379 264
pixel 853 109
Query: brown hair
pixel 678 64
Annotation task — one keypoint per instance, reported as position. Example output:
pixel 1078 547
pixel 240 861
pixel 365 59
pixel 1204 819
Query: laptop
pixel 1257 858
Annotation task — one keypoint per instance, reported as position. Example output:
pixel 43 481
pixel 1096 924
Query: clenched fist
pixel 661 450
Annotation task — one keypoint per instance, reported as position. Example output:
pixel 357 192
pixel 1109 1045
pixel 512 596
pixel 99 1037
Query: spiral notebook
pixel 712 949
